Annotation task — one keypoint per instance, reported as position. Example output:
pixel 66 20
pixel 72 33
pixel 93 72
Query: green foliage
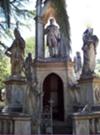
pixel 97 70
pixel 4 68
pixel 30 46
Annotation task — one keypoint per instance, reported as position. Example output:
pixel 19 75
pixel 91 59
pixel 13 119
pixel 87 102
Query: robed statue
pixel 53 38
pixel 16 54
pixel 78 64
pixel 90 42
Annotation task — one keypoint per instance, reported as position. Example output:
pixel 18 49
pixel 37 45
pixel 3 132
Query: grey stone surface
pixel 89 90
pixel 15 94
pixel 15 123
pixel 81 127
pixel 86 123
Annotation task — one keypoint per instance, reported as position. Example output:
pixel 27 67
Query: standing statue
pixel 77 64
pixel 89 52
pixel 16 54
pixel 53 38
pixel 32 94
pixel 28 67
pixel 30 97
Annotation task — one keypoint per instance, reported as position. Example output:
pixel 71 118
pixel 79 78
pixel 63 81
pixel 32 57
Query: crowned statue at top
pixel 90 42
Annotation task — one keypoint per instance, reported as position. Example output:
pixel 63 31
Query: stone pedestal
pixel 15 124
pixel 80 125
pixel 22 125
pixel 90 90
pixel 86 123
pixel 15 94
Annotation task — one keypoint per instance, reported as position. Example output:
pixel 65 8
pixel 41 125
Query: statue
pixel 78 62
pixel 16 54
pixel 89 52
pixel 28 67
pixel 32 95
pixel 53 38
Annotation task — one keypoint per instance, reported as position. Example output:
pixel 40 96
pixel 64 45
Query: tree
pixel 13 12
pixel 4 68
pixel 30 46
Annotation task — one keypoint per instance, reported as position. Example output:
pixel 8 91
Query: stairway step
pixel 61 128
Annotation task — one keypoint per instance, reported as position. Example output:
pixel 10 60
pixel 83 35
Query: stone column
pixel 15 94
pixel 86 123
pixel 80 124
pixel 90 90
pixel 15 124
pixel 39 31
pixel 22 125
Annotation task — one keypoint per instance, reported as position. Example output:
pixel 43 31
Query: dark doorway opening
pixel 53 90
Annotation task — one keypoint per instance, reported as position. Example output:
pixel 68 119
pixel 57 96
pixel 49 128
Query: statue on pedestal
pixel 89 52
pixel 53 38
pixel 16 54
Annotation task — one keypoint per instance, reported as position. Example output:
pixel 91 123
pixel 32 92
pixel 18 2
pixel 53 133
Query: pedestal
pixel 86 123
pixel 90 90
pixel 15 94
pixel 15 124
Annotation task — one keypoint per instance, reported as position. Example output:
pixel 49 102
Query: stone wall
pixel 43 69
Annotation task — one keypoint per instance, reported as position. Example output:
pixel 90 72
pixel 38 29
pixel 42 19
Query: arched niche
pixel 53 90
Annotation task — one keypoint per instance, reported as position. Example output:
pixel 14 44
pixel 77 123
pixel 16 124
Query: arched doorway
pixel 53 90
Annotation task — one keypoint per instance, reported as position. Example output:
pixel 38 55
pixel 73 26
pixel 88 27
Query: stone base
pixel 86 123
pixel 90 90
pixel 15 124
pixel 15 94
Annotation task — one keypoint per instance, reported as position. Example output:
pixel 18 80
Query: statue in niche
pixel 77 64
pixel 53 38
pixel 16 54
pixel 89 52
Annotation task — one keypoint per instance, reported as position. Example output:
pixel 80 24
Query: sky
pixel 83 13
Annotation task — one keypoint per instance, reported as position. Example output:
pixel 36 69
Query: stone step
pixel 61 128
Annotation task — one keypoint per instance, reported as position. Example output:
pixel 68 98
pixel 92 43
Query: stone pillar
pixel 86 123
pixel 22 125
pixel 80 125
pixel 15 124
pixel 15 94
pixel 90 90
pixel 39 32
